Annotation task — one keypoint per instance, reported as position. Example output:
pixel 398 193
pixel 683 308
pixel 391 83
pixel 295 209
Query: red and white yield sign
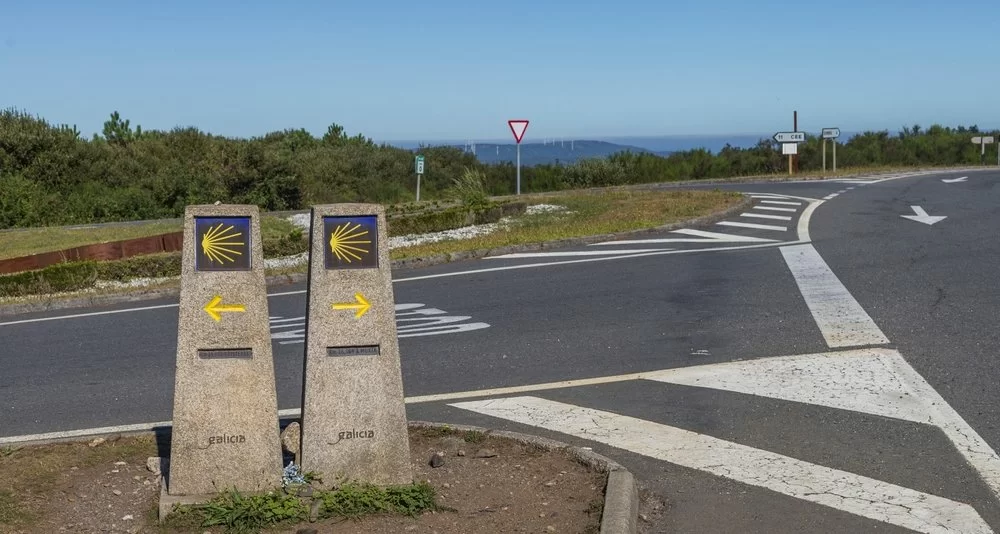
pixel 518 127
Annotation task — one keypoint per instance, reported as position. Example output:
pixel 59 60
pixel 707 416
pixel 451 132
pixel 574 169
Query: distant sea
pixel 660 144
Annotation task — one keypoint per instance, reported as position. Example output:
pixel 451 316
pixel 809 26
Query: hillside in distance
pixel 562 152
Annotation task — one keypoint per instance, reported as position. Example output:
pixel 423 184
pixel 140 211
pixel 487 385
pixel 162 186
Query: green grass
pixel 588 214
pixel 281 234
pixel 238 513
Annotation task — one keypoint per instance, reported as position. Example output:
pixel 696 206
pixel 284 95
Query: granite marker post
pixel 353 416
pixel 225 422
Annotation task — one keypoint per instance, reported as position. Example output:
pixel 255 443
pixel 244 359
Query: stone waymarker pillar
pixel 225 424
pixel 353 417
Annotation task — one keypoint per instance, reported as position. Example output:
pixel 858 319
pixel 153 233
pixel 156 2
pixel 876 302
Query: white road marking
pixel 433 276
pixel 570 253
pixel 842 321
pixel 841 192
pixel 922 217
pixel 955 180
pixel 295 412
pixel 873 381
pixel 831 197
pixel 803 232
pixel 589 260
pixel 89 314
pixel 754 226
pixel 766 216
pixel 701 236
pixel 766 196
pixel 412 320
pixel 774 208
pixel 803 228
pixel 850 188
pixel 861 380
pixel 842 490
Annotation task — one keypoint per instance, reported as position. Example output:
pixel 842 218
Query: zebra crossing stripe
pixel 842 490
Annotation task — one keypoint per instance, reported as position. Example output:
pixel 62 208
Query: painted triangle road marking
pixel 842 490
pixel 863 381
pixel 872 381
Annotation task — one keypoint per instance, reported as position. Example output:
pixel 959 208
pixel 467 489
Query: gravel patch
pixel 302 220
pixel 467 232
pixel 288 261
pixel 544 208
pixel 131 284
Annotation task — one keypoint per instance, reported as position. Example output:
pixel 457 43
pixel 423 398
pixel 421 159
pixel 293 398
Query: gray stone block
pixel 353 417
pixel 225 422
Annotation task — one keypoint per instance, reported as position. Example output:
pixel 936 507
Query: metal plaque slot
pixel 225 354
pixel 367 350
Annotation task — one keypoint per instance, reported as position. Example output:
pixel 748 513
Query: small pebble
pixel 550 528
pixel 117 492
pixel 461 452
pixel 644 517
pixel 128 518
pixel 446 485
pixel 550 483
pixel 121 464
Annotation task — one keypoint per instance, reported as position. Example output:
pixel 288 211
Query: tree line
pixel 50 174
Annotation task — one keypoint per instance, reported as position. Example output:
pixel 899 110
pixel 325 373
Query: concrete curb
pixel 44 304
pixel 621 495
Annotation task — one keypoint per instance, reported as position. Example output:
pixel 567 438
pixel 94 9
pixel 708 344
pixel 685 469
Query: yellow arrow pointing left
pixel 215 308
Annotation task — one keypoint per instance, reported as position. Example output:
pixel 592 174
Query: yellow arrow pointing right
pixel 360 308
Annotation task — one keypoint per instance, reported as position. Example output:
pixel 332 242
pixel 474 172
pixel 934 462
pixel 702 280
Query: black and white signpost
pixel 830 133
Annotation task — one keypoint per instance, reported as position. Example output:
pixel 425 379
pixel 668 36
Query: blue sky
pixel 443 69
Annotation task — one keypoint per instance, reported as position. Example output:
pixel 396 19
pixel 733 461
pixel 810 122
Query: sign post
pixel 830 133
pixel 518 127
pixel 982 142
pixel 225 420
pixel 353 416
pixel 790 138
pixel 419 162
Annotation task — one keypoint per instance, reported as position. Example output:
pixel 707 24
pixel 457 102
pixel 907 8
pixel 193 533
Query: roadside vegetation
pixel 583 214
pixel 51 175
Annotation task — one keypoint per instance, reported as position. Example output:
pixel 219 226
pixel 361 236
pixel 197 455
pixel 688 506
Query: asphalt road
pixel 854 440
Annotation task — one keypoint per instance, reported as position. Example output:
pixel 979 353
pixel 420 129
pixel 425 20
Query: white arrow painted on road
pixel 955 180
pixel 922 217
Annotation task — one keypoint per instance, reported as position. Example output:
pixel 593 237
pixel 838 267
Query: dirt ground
pixel 107 487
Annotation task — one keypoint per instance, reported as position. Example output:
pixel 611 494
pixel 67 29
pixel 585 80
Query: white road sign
pixel 831 133
pixel 790 137
pixel 982 140
pixel 789 149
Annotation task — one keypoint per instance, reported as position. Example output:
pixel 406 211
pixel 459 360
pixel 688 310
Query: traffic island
pixel 485 481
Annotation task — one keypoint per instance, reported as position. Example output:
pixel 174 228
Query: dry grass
pixel 28 475
pixel 16 243
pixel 588 214
pixel 24 242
